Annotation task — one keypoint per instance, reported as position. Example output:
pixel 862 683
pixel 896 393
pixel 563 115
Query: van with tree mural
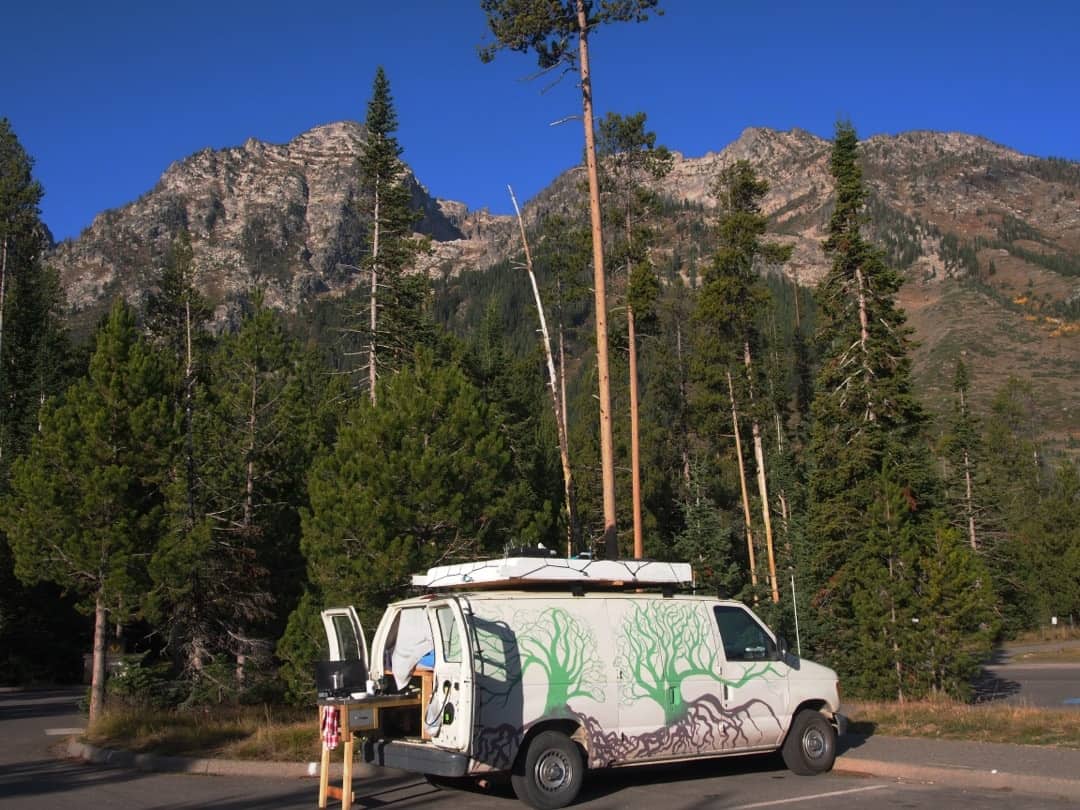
pixel 542 668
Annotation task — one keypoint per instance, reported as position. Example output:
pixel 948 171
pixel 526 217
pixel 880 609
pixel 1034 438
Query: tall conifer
pixel 394 301
pixel 873 523
pixel 86 502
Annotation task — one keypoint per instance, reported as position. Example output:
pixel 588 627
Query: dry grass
pixel 959 721
pixel 282 735
pixel 1066 655
pixel 292 736
pixel 1060 633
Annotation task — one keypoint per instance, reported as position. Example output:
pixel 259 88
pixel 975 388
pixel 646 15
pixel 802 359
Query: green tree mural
pixel 564 648
pixel 661 644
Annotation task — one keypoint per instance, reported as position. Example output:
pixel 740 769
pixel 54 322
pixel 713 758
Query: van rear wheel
pixel 550 773
pixel 810 746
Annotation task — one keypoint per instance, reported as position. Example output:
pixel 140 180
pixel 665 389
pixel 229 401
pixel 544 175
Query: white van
pixel 541 668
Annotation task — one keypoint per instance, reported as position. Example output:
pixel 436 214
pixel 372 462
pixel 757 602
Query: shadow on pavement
pixel 611 781
pixel 857 735
pixel 23 705
pixel 27 779
pixel 989 686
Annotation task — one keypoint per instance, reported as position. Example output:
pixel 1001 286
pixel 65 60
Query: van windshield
pixel 744 639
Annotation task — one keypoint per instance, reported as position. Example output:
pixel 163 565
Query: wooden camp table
pixel 359 715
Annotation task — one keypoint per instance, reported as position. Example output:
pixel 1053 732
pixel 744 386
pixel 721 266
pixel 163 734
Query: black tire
pixel 810 745
pixel 549 774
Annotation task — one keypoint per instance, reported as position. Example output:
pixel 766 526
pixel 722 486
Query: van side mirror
pixel 781 648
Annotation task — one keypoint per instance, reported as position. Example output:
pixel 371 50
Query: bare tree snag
pixel 742 485
pixel 558 405
pixel 763 491
pixel 372 319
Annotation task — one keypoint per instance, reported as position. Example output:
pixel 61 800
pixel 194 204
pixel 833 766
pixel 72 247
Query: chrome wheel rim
pixel 813 743
pixel 553 771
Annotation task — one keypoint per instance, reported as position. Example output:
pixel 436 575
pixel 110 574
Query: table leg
pixel 324 776
pixel 346 778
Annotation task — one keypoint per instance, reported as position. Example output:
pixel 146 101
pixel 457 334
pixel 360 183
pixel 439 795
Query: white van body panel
pixel 634 677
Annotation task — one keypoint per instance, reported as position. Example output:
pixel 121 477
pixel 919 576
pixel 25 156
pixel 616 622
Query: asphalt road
pixel 1033 683
pixel 32 777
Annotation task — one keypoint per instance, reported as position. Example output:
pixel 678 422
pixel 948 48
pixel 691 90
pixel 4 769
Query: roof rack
pixel 539 572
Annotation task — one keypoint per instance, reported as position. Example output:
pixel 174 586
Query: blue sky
pixel 106 95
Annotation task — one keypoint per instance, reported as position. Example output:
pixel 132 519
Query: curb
pixel 962 777
pixel 219 767
pixel 972 778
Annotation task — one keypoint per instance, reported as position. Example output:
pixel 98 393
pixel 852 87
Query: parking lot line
pixel 830 794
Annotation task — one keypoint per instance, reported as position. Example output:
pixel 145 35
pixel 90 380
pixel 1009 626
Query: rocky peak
pixel 275 216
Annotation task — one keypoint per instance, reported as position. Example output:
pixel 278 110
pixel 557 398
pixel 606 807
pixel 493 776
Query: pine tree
pixel 388 500
pixel 1012 476
pixel 962 448
pixel 548 29
pixel 629 158
pixel 394 301
pixel 730 306
pixel 34 351
pixel 222 574
pixel 1032 527
pixel 86 501
pixel 36 362
pixel 872 495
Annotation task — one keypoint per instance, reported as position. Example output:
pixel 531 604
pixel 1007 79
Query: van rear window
pixel 744 638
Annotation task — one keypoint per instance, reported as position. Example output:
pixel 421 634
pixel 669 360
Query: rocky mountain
pixel 275 217
pixel 988 239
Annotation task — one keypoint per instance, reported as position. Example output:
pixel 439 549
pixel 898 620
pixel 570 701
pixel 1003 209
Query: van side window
pixel 451 639
pixel 744 639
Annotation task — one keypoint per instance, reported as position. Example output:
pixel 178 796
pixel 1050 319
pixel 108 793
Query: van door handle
pixel 727 694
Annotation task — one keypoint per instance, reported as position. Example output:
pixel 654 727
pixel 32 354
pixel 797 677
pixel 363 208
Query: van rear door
pixel 448 717
pixel 345 635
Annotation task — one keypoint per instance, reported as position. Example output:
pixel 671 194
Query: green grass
pixel 949 720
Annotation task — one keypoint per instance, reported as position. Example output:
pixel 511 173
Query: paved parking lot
pixel 31 776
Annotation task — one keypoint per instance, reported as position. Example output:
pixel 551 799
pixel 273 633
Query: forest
pixel 189 500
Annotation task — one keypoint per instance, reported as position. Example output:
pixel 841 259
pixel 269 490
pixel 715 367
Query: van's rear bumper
pixel 415 757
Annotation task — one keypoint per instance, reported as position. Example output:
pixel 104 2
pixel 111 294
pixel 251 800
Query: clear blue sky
pixel 106 95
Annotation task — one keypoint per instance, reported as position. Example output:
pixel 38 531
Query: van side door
pixel 755 687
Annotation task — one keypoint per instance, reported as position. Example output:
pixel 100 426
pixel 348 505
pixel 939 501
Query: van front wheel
pixel 810 747
pixel 550 773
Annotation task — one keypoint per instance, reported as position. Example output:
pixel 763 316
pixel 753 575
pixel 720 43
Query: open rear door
pixel 448 717
pixel 345 635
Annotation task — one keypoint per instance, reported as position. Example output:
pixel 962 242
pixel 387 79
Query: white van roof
pixel 523 572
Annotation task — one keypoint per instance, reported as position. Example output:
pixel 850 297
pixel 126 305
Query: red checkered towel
pixel 330 726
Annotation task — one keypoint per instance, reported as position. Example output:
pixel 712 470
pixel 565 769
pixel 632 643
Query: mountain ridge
pixel 973 226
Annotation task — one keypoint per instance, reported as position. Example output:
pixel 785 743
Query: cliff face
pixel 260 215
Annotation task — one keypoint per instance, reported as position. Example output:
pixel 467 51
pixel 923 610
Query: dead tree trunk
pixel 742 485
pixel 763 491
pixel 373 302
pixel 864 335
pixel 557 409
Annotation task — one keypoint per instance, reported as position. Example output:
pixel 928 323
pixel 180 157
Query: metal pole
pixel 795 606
